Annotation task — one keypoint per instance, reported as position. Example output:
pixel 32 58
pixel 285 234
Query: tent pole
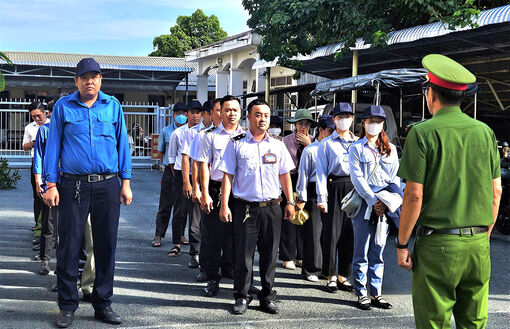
pixel 354 73
pixel 268 84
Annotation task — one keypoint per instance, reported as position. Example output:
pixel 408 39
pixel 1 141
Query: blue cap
pixel 342 108
pixel 326 121
pixel 180 106
pixel 195 105
pixel 87 65
pixel 374 111
pixel 206 107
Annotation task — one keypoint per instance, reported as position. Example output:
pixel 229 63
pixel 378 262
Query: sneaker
pixel 312 278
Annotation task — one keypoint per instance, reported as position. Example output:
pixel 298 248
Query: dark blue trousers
pixel 102 200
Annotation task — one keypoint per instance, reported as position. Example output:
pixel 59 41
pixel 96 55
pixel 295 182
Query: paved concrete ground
pixel 154 291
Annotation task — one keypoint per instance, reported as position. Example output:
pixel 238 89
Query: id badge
pixel 270 158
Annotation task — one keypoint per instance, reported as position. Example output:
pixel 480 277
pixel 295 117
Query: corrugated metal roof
pixel 136 63
pixel 487 17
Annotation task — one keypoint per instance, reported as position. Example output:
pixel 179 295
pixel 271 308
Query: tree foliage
pixel 190 32
pixel 8 176
pixel 290 27
pixel 2 79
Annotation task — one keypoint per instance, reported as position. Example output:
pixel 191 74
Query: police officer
pixel 307 199
pixel 217 237
pixel 255 164
pixel 166 196
pixel 333 183
pixel 452 194
pixel 88 136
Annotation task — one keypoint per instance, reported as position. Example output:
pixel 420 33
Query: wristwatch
pixel 292 203
pixel 401 246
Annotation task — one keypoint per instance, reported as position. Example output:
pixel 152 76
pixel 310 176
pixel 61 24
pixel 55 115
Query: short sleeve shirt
pixel 456 159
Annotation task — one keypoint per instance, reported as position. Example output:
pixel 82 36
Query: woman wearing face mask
pixel 275 126
pixel 373 164
pixel 291 242
pixel 333 183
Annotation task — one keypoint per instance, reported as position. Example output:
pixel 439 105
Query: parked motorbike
pixel 503 220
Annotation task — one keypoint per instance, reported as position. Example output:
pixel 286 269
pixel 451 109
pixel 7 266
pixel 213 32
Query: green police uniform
pixel 455 158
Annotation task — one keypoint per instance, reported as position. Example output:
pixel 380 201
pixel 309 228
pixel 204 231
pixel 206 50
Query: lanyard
pixel 375 153
pixel 342 142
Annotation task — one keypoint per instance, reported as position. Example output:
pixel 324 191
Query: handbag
pixel 351 203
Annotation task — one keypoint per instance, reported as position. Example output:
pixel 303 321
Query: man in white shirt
pixel 38 113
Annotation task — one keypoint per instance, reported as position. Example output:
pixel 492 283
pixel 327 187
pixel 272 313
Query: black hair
pixel 228 98
pixel 214 102
pixel 36 106
pixel 256 102
pixel 448 96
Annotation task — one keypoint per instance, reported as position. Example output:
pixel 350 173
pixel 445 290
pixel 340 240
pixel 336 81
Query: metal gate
pixel 142 121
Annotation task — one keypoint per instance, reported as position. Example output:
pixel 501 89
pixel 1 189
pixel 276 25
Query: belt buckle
pixel 93 178
pixel 262 204
pixel 427 231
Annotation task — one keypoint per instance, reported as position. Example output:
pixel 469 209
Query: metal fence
pixel 142 121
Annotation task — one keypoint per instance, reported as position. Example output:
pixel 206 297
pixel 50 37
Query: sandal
pixel 380 302
pixel 364 303
pixel 184 241
pixel 174 252
pixel 331 286
pixel 156 242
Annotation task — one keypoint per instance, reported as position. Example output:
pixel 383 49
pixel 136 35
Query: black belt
pixel 425 231
pixel 214 183
pixel 338 179
pixel 94 178
pixel 262 204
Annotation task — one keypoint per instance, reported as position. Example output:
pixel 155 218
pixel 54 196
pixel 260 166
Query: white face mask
pixel 374 128
pixel 274 131
pixel 343 124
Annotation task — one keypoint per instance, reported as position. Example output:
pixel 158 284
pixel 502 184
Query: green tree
pixel 189 32
pixel 2 79
pixel 290 27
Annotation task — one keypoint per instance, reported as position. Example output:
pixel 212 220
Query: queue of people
pixel 243 190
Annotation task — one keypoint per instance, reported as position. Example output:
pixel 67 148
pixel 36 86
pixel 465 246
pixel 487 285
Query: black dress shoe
pixel 108 315
pixel 36 247
pixel 345 286
pixel 270 307
pixel 193 263
pixel 45 267
pixel 37 240
pixel 65 319
pixel 380 302
pixel 364 303
pixel 253 290
pixel 240 306
pixel 212 288
pixel 54 288
pixel 87 297
pixel 201 277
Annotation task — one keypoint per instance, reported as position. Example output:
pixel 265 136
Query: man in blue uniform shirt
pixel 88 136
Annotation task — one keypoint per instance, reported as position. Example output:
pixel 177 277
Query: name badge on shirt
pixel 270 158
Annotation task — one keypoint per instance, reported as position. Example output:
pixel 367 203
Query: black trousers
pixel 166 202
pixel 217 238
pixel 337 232
pixel 195 218
pixel 291 242
pixel 47 231
pixel 101 199
pixel 311 234
pixel 38 202
pixel 182 209
pixel 255 227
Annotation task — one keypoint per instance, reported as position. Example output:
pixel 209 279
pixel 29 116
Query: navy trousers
pixel 77 199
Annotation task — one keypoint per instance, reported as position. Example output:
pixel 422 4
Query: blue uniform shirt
pixel 87 140
pixel 362 160
pixel 39 146
pixel 164 139
pixel 332 159
pixel 307 170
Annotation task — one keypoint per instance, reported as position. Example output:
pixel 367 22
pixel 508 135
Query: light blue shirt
pixel 213 147
pixel 307 170
pixel 164 139
pixel 362 160
pixel 256 180
pixel 332 159
pixel 87 140
pixel 196 144
pixel 39 147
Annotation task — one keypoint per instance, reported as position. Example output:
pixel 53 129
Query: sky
pixel 103 27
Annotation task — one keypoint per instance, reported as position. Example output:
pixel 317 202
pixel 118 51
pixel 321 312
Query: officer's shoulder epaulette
pixel 277 137
pixel 413 124
pixel 208 130
pixel 238 137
